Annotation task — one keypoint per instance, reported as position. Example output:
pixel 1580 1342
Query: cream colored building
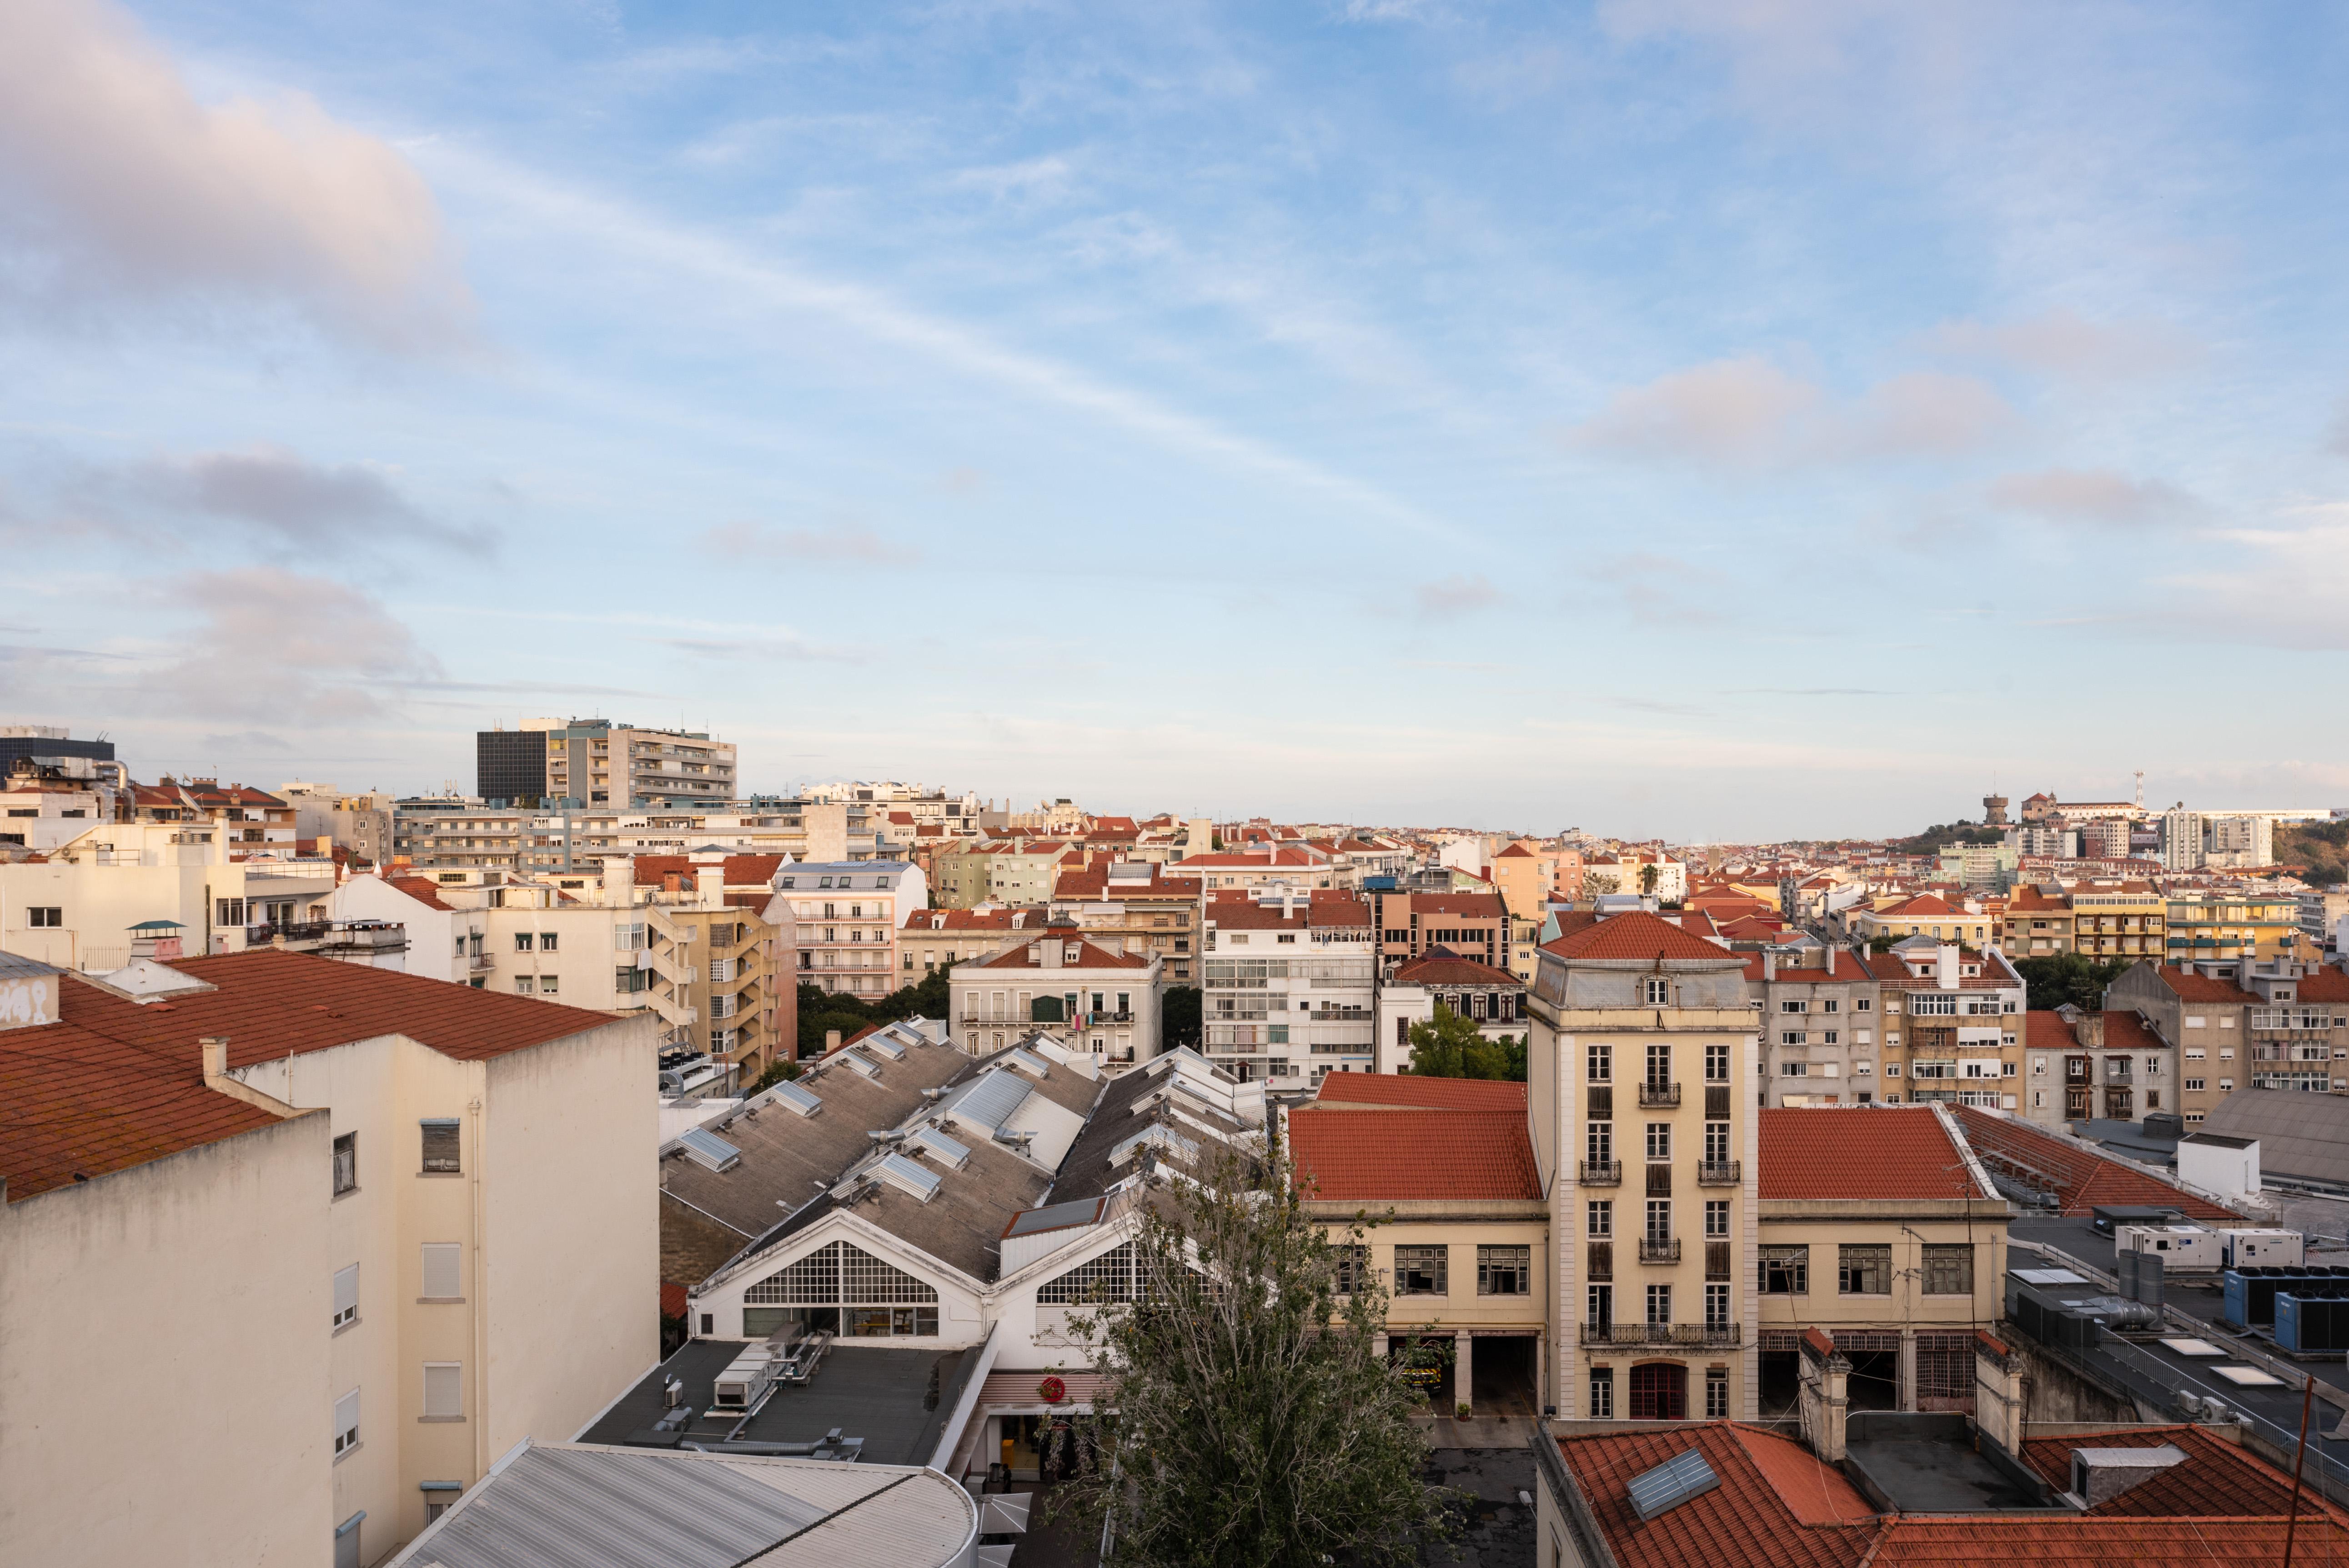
pixel 1641 1064
pixel 1879 1227
pixel 333 1240
pixel 1101 1004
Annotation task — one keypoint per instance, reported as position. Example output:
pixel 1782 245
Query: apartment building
pixel 1643 1043
pixel 599 763
pixel 2225 925
pixel 400 1226
pixel 47 803
pixel 440 832
pixel 848 914
pixel 1820 1028
pixel 1649 871
pixel 1924 915
pixel 1463 1246
pixel 1287 992
pixel 2115 918
pixel 2082 1066
pixel 1134 906
pixel 1470 925
pixel 78 908
pixel 1952 1025
pixel 1270 869
pixel 2193 840
pixel 1879 1230
pixel 1492 999
pixel 923 805
pixel 933 939
pixel 2277 1023
pixel 1527 880
pixel 1006 871
pixel 360 823
pixel 1101 1004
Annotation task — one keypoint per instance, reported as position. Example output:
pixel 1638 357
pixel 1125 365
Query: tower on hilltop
pixel 1994 811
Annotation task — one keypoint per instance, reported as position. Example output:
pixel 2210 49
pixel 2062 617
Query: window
pixel 1660 1063
pixel 1599 1062
pixel 1863 1270
pixel 1716 1380
pixel 1794 1070
pixel 1716 1306
pixel 1601 1212
pixel 347 1163
pixel 1599 1143
pixel 521 941
pixel 1351 1267
pixel 54 917
pixel 1861 1004
pixel 1716 1142
pixel 853 1293
pixel 1658 991
pixel 1716 1064
pixel 1830 1005
pixel 1660 1141
pixel 1602 1393
pixel 1785 1271
pixel 1505 1271
pixel 628 938
pixel 443 1263
pixel 1716 1217
pixel 1660 1218
pixel 229 911
pixel 1793 1007
pixel 1949 1269
pixel 440 1147
pixel 2195 1086
pixel 346 1423
pixel 628 981
pixel 347 1295
pixel 525 985
pixel 548 985
pixel 1794 1037
pixel 444 1392
pixel 1891 1069
pixel 1422 1271
pixel 546 942
pixel 1660 1304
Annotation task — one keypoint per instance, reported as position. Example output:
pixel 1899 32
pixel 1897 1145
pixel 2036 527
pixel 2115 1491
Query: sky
pixel 1719 419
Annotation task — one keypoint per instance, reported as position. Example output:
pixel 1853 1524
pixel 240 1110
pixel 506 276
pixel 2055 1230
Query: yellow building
pixel 1925 914
pixel 1641 1061
pixel 2231 924
pixel 1879 1228
pixel 1463 1248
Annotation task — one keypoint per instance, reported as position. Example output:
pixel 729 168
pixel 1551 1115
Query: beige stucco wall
pixel 572 1196
pixel 1904 1227
pixel 164 1385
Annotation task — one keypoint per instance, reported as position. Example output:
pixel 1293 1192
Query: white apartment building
pixel 400 1226
pixel 848 914
pixel 76 909
pixel 463 832
pixel 517 935
pixel 48 802
pixel 1287 988
pixel 1100 1004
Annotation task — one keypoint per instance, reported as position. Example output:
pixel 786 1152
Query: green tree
pixel 822 1011
pixel 2072 977
pixel 1178 1017
pixel 1245 1420
pixel 1449 1046
pixel 778 1071
pixel 1648 877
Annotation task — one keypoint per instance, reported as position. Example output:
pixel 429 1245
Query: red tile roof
pixel 1463 905
pixel 1637 934
pixel 1441 966
pixel 999 918
pixel 114 1084
pixel 1246 915
pixel 2045 1029
pixel 423 892
pixel 2081 1177
pixel 1860 1152
pixel 2126 1032
pixel 1744 1522
pixel 740 870
pixel 2190 987
pixel 1091 957
pixel 1420 1089
pixel 2326 984
pixel 1396 1155
pixel 2218 1477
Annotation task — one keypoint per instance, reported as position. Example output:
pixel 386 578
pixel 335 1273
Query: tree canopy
pixel 822 1010
pixel 1178 1017
pixel 2072 977
pixel 1450 1046
pixel 1248 1419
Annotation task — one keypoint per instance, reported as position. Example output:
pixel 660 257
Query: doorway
pixel 1660 1391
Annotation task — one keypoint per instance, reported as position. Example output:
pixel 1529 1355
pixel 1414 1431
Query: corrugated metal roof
pixel 990 1099
pixel 574 1507
pixel 708 1149
pixel 803 1100
pixel 1055 1217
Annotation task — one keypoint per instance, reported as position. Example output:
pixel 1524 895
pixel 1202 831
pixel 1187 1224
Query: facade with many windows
pixel 1286 986
pixel 1643 1051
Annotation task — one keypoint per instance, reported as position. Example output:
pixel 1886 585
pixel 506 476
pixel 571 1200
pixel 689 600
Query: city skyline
pixel 1721 423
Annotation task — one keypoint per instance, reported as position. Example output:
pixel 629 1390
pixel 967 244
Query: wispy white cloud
pixel 116 182
pixel 2070 347
pixel 2094 496
pixel 1749 413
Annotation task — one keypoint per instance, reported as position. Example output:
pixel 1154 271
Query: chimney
pixel 831 1041
pixel 1998 1393
pixel 713 884
pixel 1946 966
pixel 1769 964
pixel 215 1064
pixel 620 882
pixel 1830 960
pixel 1824 1406
pixel 1049 950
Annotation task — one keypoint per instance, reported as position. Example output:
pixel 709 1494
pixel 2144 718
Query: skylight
pixel 709 1150
pixel 1660 1491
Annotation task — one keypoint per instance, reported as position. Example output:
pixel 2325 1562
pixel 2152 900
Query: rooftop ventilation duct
pixel 2099 1475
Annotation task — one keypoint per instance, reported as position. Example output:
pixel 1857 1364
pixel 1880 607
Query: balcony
pixel 1602 1173
pixel 1653 1095
pixel 1655 1250
pixel 1694 1336
pixel 481 963
pixel 1719 1173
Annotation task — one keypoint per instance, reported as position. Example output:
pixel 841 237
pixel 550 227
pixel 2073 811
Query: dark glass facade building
pixel 510 764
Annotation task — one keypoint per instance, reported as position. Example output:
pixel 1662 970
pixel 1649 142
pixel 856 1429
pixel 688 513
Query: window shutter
pixel 444 1388
pixel 442 1263
pixel 346 1421
pixel 441 1144
pixel 346 1294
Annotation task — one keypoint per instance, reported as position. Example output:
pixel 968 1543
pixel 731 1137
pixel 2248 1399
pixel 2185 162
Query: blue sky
pixel 1720 419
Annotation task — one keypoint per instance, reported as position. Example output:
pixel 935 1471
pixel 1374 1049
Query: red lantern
pixel 1053 1390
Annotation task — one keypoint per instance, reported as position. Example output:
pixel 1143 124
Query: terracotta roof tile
pixel 1441 966
pixel 1401 1154
pixel 115 1084
pixel 1637 934
pixel 2193 987
pixel 1091 957
pixel 2081 1177
pixel 423 892
pixel 1858 1151
pixel 1744 1522
pixel 1423 1090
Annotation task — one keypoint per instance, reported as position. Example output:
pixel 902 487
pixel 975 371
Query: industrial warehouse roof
pixel 583 1506
pixel 2079 1177
pixel 2302 1135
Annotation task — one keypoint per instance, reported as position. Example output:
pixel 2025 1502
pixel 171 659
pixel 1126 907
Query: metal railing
pixel 1653 1250
pixel 1691 1334
pixel 1660 1094
pixel 1602 1173
pixel 1719 1174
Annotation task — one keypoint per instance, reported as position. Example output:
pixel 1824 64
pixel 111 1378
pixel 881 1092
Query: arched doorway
pixel 1658 1391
